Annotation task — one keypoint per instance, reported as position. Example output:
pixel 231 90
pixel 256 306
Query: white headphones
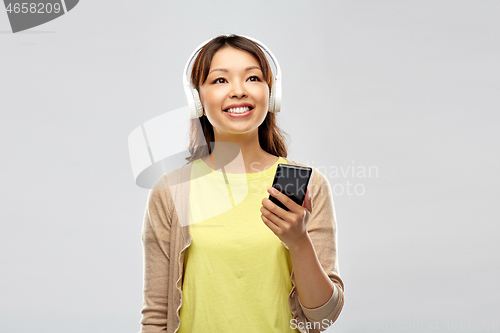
pixel 193 97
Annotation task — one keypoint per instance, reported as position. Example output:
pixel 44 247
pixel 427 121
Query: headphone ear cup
pixel 197 103
pixel 277 95
pixel 271 100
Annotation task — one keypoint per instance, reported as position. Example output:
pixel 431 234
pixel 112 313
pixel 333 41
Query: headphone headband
pixel 192 95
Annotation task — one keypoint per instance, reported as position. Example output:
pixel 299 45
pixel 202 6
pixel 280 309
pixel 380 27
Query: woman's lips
pixel 238 115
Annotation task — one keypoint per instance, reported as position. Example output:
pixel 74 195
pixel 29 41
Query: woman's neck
pixel 240 155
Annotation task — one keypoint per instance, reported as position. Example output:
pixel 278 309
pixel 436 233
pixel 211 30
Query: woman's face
pixel 235 82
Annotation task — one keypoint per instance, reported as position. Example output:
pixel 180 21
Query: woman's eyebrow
pixel 226 70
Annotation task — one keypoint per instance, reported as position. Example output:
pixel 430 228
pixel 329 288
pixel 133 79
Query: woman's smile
pixel 238 110
pixel 239 114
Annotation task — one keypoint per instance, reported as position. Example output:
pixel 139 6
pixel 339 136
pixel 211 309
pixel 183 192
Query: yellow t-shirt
pixel 237 272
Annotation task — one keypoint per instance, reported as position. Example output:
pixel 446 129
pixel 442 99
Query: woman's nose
pixel 238 90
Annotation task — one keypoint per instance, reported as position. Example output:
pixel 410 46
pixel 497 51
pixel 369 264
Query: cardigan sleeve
pixel 322 229
pixel 156 244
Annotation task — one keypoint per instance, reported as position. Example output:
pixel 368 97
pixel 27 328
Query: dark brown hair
pixel 271 137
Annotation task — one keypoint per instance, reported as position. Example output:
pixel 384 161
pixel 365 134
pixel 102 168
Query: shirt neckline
pixel 242 177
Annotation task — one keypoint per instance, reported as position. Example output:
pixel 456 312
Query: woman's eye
pixel 220 80
pixel 254 78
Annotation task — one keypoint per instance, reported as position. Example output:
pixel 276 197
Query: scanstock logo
pixel 25 14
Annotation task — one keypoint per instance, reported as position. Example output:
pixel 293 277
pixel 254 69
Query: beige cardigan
pixel 165 237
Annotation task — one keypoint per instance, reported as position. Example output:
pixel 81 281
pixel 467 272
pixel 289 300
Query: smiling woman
pixel 237 74
pixel 236 67
pixel 237 261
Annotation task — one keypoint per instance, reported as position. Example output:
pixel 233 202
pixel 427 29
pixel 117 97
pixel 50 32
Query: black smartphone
pixel 291 180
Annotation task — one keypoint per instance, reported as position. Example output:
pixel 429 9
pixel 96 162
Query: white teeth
pixel 238 110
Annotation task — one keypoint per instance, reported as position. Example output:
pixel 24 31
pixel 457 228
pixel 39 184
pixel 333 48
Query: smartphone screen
pixel 291 180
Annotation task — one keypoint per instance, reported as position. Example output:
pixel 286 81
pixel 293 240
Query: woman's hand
pixel 291 226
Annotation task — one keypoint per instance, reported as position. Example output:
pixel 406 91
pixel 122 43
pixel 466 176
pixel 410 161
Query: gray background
pixel 410 87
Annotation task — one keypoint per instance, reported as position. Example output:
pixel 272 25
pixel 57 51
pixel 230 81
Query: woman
pixel 249 266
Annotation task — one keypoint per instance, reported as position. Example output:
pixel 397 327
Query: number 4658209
pixel 32 7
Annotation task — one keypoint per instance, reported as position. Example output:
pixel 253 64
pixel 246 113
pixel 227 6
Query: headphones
pixel 193 97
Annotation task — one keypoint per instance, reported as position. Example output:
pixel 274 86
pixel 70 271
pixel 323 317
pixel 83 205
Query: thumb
pixel 307 201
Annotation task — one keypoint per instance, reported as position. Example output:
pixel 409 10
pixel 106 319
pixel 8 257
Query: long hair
pixel 271 137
